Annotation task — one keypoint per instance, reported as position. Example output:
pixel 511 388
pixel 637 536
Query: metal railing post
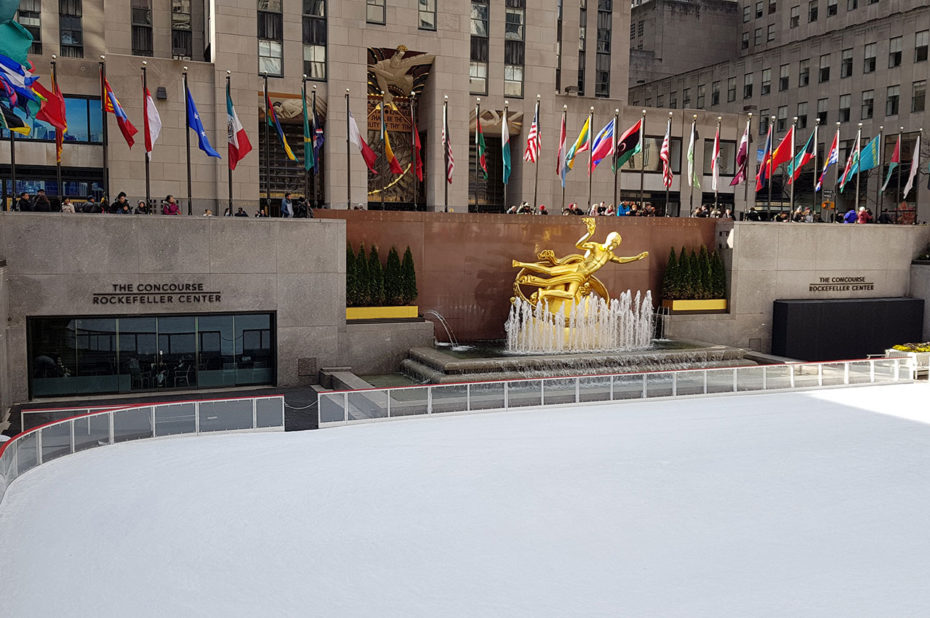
pixel 429 399
pixel 506 395
pixel 820 374
pixel 110 416
pixel 39 447
pixel 791 375
pixel 845 373
pixel 196 418
pixel 644 386
pixel 72 436
pixel 577 389
pixel 254 413
pixel 152 417
pixel 468 397
pixel 345 408
pixel 674 384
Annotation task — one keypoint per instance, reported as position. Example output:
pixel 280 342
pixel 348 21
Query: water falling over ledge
pixel 593 325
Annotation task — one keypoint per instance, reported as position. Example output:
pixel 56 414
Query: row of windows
pixel 84 123
pixel 426 13
pixel 514 47
pixel 271 38
pixel 70 29
pixel 813 9
pixel 182 43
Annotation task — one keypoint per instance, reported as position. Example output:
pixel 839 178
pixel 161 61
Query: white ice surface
pixel 807 504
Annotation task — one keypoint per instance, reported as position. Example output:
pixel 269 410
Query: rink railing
pixel 50 441
pixel 347 407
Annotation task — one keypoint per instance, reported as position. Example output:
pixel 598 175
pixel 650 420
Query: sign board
pixel 828 194
pixel 841 284
pixel 156 294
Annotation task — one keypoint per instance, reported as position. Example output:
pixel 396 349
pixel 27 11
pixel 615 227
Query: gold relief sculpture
pixel 570 279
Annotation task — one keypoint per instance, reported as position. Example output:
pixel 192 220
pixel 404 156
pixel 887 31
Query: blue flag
pixel 193 122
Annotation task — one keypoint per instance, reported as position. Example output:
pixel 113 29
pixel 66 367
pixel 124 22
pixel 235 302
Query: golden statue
pixel 571 278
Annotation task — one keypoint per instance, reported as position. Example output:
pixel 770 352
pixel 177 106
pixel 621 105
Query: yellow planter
pixel 381 313
pixel 712 304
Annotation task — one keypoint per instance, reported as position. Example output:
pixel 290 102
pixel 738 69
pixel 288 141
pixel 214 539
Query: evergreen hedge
pixel 370 284
pixel 694 275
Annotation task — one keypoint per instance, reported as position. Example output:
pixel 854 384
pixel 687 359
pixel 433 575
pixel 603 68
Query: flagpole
pixel 103 114
pixel 348 153
pixel 856 163
pixel 898 200
pixel 316 155
pixel 590 153
pixel 13 168
pixel 691 171
pixel 445 155
pixel 477 151
pixel 668 131
pixel 145 103
pixel 878 192
pixel 642 167
pixel 790 168
pixel 538 141
pixel 716 165
pixel 559 166
pixel 746 174
pixel 187 138
pixel 506 110
pixel 229 163
pixel 771 160
pixel 413 149
pixel 616 137
pixel 816 167
pixel 836 172
pixel 383 146
pixel 58 137
pixel 303 94
pixel 267 146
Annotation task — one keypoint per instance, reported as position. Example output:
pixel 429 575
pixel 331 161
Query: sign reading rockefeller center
pixel 841 284
pixel 156 294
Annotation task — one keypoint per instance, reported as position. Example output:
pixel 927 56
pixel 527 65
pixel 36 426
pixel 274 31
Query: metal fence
pixel 42 444
pixel 345 407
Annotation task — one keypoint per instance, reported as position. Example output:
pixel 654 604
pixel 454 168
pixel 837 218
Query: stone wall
pixel 380 347
pixel 920 288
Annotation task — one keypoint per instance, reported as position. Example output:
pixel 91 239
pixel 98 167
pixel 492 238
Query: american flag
pixel 664 156
pixel 532 140
pixel 447 144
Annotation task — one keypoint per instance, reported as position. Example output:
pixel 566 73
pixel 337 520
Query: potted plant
pixel 694 281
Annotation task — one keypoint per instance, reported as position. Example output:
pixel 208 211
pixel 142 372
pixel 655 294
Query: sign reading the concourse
pixel 156 294
pixel 841 284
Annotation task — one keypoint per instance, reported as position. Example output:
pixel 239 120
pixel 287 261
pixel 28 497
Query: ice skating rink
pixel 801 504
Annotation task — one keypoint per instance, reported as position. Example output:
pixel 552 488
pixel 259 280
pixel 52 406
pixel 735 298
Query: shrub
pixel 409 278
pixel 375 278
pixel 685 280
pixel 393 279
pixel 669 280
pixel 351 280
pixel 719 276
pixel 362 278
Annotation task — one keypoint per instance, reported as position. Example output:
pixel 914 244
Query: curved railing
pixel 346 407
pixel 44 443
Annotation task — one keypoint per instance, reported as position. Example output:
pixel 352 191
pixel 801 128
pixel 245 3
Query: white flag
pixel 915 165
pixel 152 124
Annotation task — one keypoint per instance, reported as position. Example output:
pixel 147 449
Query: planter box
pixel 404 312
pixel 919 361
pixel 711 304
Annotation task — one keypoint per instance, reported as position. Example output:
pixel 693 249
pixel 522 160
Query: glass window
pixel 514 33
pixel 375 11
pixel 773 5
pixel 76 111
pixel 673 100
pixel 845 102
pixel 891 103
pixel 478 67
pixel 804 73
pixel 812 10
pixel 182 41
pixel 513 80
pixel 868 63
pixel 254 349
pixel 759 9
pixel 479 18
pixel 919 96
pixel 141 16
pixel 831 8
pixel 770 32
pixel 744 42
pixel 757 37
pixel 602 75
pixel 852 5
pixel 427 14
pixel 685 98
pixel 513 27
pixel 727 159
pixel 731 89
pixel 604 19
pixel 30 18
pixel 824 68
pixel 822 111
pixel 714 93
pixel 782 118
pixel 478 77
pixel 270 38
pixel 766 81
pixel 701 92
pixel 763 121
pixel 802 115
pixel 868 104
pixel 581 63
pixel 314 39
pixel 783 75
pixel 747 13
pixel 795 17
pixel 70 28
pixel 894 52
pixel 747 86
pixel 846 63
pixel 920 45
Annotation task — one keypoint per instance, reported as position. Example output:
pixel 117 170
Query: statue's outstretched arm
pixel 591 225
pixel 625 260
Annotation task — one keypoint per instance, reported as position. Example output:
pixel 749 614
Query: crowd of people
pixel 603 209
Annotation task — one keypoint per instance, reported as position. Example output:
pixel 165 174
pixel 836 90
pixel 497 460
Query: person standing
pixel 67 207
pixel 170 207
pixel 41 203
pixel 287 207
pixel 24 204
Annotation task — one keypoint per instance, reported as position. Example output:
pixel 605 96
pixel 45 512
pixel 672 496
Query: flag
pixel 416 147
pixel 762 173
pixel 742 157
pixel 664 156
pixel 915 165
pixel 850 163
pixel 715 161
pixel 558 157
pixel 151 124
pixel 52 109
pixel 630 143
pixel 194 122
pixel 111 105
pixel 692 172
pixel 833 156
pixel 239 144
pixel 447 147
pixel 603 145
pixel 273 122
pixel 308 136
pixel 895 161
pixel 18 82
pixel 580 145
pixel 505 146
pixel 532 140
pixel 318 138
pixel 356 138
pixel 12 122
pixel 482 148
pixel 868 157
pixel 393 163
pixel 15 40
pixel 801 159
pixel 784 152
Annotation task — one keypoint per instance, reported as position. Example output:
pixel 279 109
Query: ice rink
pixel 799 504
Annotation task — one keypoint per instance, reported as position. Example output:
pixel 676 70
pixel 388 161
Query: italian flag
pixel 239 144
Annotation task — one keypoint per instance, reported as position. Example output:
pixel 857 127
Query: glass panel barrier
pixel 56 441
pixel 720 380
pixel 593 389
pixel 777 377
pixel 806 376
pixel 523 393
pixel 860 372
pixel 629 386
pixel 27 455
pixel 91 432
pixel 450 398
pixel 133 424
pixel 228 415
pixel 269 412
pixel 691 382
pixel 408 401
pixel 365 405
pixel 332 408
pixel 834 374
pixel 658 385
pixel 749 379
pixel 488 396
pixel 176 418
pixel 884 370
pixel 558 391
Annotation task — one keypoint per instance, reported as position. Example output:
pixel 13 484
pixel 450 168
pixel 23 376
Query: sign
pixel 841 284
pixel 828 194
pixel 156 294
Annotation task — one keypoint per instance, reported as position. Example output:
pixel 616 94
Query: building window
pixel 812 10
pixel 582 43
pixel 747 86
pixel 846 63
pixel 701 95
pixel 640 28
pixel 919 96
pixel 868 104
pixel 868 64
pixel 804 73
pixel 802 115
pixel 766 81
pixel 602 75
pixel 747 13
pixel 783 77
pixel 920 44
pixel 152 353
pixel 270 38
pixel 852 5
pixel 822 111
pixel 84 125
pixel 782 119
pixel 845 102
pixel 744 43
pixel 759 9
pixel 374 12
pixel 581 63
pixel 795 18
pixel 894 52
pixel 427 14
pixel 770 32
pixel 182 43
pixel 514 48
pixel 478 69
pixel 831 7
pixel 763 121
pixel 773 5
pixel 824 68
pixel 30 18
pixel 314 22
pixel 731 89
pixel 70 28
pixel 685 98
pixel 673 100
pixel 602 61
pixel 141 27
pixel 891 102
pixel 632 31
pixel 660 100
pixel 714 93
pixel 757 37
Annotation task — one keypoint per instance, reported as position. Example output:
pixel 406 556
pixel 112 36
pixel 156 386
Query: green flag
pixel 482 148
pixel 14 39
pixel 308 139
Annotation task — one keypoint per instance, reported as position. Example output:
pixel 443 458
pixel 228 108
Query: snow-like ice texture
pixel 805 504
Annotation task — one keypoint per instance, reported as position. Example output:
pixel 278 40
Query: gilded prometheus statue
pixel 571 278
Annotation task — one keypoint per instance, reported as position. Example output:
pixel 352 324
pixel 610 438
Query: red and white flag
pixel 356 138
pixel 665 157
pixel 558 157
pixel 151 123
pixel 715 161
pixel 239 144
pixel 532 140
pixel 447 145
